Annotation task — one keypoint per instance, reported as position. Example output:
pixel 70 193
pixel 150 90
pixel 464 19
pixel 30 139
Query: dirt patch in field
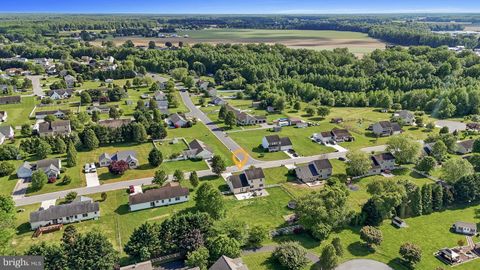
pixel 356 46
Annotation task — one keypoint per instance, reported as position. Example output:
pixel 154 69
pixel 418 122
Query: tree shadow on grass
pixel 259 149
pixel 24 228
pixel 108 176
pixel 144 167
pixel 304 239
pixel 397 263
pixel 359 249
pixel 122 209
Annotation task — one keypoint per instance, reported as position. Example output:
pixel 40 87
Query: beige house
pixel 314 171
pixel 58 127
pixel 386 128
pixel 249 180
pixel 382 162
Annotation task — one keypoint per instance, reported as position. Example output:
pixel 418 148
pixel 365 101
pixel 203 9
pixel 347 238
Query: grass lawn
pixel 302 144
pixel 18 113
pixel 8 182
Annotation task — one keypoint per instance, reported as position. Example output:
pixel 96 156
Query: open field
pixel 306 39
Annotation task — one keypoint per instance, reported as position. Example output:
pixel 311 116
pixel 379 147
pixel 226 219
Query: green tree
pixel 310 110
pixel 114 113
pixel 337 244
pixel 194 181
pixel 210 200
pixel 144 241
pixel 95 116
pixel 218 165
pixel 427 199
pixel 417 207
pixel 155 157
pixel 439 150
pixel 66 180
pixel 7 224
pixel 71 155
pixel 43 149
pixel 230 119
pixel 70 196
pixel 85 98
pixel 26 130
pixel 358 163
pixel 157 130
pixel 53 255
pixel 151 44
pixel 256 235
pixel 405 149
pixel 291 255
pixel 91 251
pixel 6 168
pixel 437 197
pixel 60 146
pixel 475 161
pixel 160 178
pixel 198 258
pixel 103 195
pixel 39 179
pixel 222 112
pixel 328 258
pixel 178 175
pixel 426 164
pixel 323 111
pixel 223 245
pixel 297 106
pixel 411 254
pixel 139 134
pixel 453 169
pixel 90 140
pixel 372 236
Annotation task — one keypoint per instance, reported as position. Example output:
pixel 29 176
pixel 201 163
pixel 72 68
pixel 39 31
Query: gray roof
pixel 114 123
pixel 176 118
pixel 199 146
pixel 382 157
pixel 273 139
pixel 405 114
pixel 168 191
pixel 322 164
pixel 6 130
pixel 159 95
pixel 462 224
pixel 60 92
pixel 139 266
pixel 238 180
pixel 120 155
pixel 45 163
pixel 311 169
pixel 468 144
pixel 343 133
pixel 52 112
pixel 10 99
pixel 254 173
pixel 285 141
pixel 47 127
pixel 226 263
pixel 64 210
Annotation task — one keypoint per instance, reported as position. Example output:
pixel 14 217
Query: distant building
pixel 70 81
pixel 114 123
pixel 198 150
pixel 130 157
pixel 473 126
pixel 3 116
pixel 275 143
pixel 245 119
pixel 314 171
pixel 337 120
pixel 58 113
pixel 6 133
pixel 406 116
pixel 249 180
pixel 465 147
pixel 386 128
pixel 465 228
pixel 147 265
pixel 335 135
pixel 226 263
pixel 218 101
pixel 99 108
pixel 81 209
pixel 177 121
pixel 169 194
pixel 60 94
pixel 10 100
pixel 57 127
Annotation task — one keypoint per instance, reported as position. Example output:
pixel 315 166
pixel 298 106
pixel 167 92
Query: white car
pixel 87 168
pixel 93 168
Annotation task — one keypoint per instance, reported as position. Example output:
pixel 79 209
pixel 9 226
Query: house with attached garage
pixel 314 171
pixel 51 167
pixel 465 228
pixel 60 94
pixel 3 116
pixel 198 150
pixel 246 119
pixel 218 101
pixel 58 113
pixel 176 121
pixel 249 180
pixel 130 157
pixel 10 100
pixel 6 133
pixel 406 116
pixel 100 108
pixel 54 128
pixel 81 209
pixel 382 162
pixel 386 128
pixel 171 193
pixel 465 147
pixel 275 143
pixel 70 81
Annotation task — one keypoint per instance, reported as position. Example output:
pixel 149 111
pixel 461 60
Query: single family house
pixel 314 171
pixel 249 180
pixel 171 193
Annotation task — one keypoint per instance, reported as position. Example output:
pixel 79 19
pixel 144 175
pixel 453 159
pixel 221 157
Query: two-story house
pixel 57 127
pixel 275 143
pixel 314 171
pixel 382 162
pixel 386 128
pixel 249 180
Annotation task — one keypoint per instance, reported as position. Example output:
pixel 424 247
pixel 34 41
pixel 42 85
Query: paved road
pixel 222 136
pixel 37 87
pixel 363 264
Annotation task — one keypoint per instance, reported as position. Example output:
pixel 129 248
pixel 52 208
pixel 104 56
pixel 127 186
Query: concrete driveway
pixel 37 87
pixel 452 125
pixel 363 264
pixel 92 179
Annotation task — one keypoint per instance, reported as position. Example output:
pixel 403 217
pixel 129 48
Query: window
pixel 85 215
pixel 152 204
pixel 169 200
pixel 68 218
pixel 76 216
pixel 261 185
pixel 177 198
pixel 163 201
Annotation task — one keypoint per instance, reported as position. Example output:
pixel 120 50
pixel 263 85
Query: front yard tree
pixel 194 179
pixel 291 255
pixel 26 130
pixel 230 119
pixel 43 149
pixel 405 149
pixel 210 200
pixel 223 245
pixel 39 179
pixel 323 111
pixel 411 254
pixel 6 168
pixel 337 244
pixel 143 242
pixel 310 110
pixel 70 196
pixel 178 175
pixel 439 151
pixel 358 163
pixel 118 167
pixel 155 157
pixel 90 140
pixel 256 235
pixel 218 165
pixel 222 112
pixel 372 236
pixel 453 169
pixel 328 258
pixel 160 177
pixel 198 258
pixel 157 131
pixel 426 164
pixel 71 155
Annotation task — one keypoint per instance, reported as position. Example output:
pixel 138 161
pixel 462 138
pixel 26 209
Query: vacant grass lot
pixel 18 113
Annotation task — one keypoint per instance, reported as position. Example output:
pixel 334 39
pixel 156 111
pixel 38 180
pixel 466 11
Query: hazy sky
pixel 239 6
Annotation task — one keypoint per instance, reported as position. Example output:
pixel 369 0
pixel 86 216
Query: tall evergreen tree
pixel 416 204
pixel 71 155
pixel 427 199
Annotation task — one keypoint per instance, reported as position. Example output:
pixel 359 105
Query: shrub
pixel 118 167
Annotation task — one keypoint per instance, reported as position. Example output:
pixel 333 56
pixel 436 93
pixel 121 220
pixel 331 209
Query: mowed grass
pixel 18 113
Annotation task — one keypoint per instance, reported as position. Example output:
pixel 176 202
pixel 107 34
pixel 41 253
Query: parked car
pixel 93 168
pixel 86 169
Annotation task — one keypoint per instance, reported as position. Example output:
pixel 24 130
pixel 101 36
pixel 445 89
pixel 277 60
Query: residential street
pixel 36 85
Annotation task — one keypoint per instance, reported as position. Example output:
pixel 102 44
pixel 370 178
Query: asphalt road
pixel 363 264
pixel 37 87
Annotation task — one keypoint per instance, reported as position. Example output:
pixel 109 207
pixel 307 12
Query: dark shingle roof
pixel 462 224
pixel 52 112
pixel 285 141
pixel 468 144
pixel 226 263
pixel 322 164
pixel 272 139
pixel 10 99
pixel 254 173
pixel 114 123
pixel 168 191
pixel 65 210
pixel 238 180
pixel 383 157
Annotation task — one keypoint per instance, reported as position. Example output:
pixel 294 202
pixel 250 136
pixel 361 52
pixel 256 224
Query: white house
pixel 80 209
pixel 465 147
pixel 6 132
pixel 406 116
pixel 382 162
pixel 198 150
pixel 57 113
pixel 177 121
pixel 465 228
pixel 130 157
pixel 60 94
pixel 386 128
pixel 3 116
pixel 169 194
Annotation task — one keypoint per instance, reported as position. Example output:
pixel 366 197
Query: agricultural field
pixel 357 43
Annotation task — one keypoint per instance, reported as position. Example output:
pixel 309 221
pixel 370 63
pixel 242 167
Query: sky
pixel 239 6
